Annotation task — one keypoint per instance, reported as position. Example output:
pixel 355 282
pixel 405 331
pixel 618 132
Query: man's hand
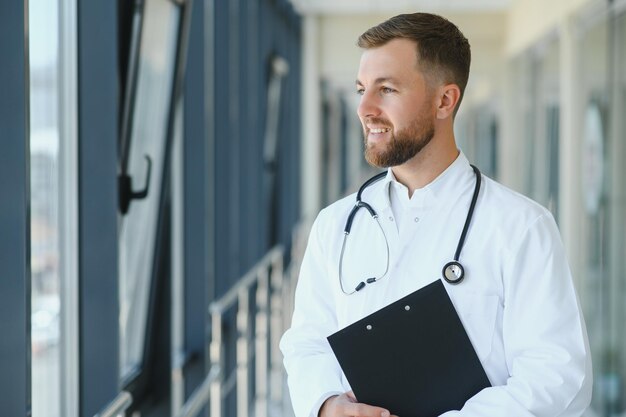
pixel 346 405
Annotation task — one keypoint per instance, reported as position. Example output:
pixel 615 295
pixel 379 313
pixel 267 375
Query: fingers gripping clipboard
pixel 412 357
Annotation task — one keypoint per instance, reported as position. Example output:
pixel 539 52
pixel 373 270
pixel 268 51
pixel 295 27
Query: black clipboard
pixel 412 357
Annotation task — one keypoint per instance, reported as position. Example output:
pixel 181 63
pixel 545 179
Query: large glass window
pixel 143 157
pixel 547 128
pixel 44 174
pixel 617 193
pixel 605 192
pixel 618 197
pixel 476 131
pixel 539 92
pixel 602 106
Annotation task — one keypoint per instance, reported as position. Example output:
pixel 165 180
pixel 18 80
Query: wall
pixel 530 20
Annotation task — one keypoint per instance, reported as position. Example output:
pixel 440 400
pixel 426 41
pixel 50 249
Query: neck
pixel 428 164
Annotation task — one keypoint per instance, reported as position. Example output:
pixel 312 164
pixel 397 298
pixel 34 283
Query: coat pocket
pixel 478 313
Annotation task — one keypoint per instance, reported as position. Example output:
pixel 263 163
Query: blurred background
pixel 162 161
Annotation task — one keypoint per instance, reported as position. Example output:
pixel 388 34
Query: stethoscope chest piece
pixel 453 272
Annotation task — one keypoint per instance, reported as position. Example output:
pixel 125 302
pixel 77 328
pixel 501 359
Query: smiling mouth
pixel 383 130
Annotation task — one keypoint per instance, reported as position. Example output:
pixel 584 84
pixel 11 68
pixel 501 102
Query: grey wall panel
pixel 98 240
pixel 14 213
pixel 222 147
pixel 196 190
pixel 247 36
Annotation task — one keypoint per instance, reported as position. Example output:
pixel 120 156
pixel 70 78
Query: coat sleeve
pixel 312 370
pixel 545 340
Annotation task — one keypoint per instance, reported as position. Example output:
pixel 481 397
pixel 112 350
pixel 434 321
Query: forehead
pixel 396 59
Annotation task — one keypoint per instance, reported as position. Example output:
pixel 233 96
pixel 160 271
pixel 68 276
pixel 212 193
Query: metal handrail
pixel 272 301
pixel 201 395
pixel 222 304
pixel 118 406
pixel 265 272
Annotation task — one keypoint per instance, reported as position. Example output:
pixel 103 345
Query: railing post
pixel 217 360
pixel 243 314
pixel 261 342
pixel 277 327
pixel 274 288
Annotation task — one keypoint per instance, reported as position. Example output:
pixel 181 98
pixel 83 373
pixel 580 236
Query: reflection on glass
pixel 593 47
pixel 477 136
pixel 552 148
pixel 617 180
pixel 523 70
pixel 547 134
pixel 147 138
pixel 603 152
pixel 44 147
pixel 540 89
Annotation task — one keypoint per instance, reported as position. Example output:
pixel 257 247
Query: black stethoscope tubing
pixel 452 272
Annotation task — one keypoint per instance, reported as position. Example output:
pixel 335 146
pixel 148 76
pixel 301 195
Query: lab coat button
pixel 390 218
pixel 417 219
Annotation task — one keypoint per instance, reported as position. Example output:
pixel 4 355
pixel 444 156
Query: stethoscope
pixel 453 272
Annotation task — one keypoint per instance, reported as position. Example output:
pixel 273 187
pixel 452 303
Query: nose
pixel 368 106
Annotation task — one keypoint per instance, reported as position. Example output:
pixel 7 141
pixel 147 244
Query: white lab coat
pixel 517 302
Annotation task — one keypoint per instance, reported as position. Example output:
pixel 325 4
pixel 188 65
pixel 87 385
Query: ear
pixel 449 96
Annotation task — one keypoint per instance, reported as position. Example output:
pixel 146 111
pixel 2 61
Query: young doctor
pixel 510 284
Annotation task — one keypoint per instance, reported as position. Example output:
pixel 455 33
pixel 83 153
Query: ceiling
pixel 393 6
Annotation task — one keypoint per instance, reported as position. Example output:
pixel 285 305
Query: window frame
pixel 97 62
pixel 138 382
pixel 15 377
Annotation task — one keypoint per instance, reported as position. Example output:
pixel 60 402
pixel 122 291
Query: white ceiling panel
pixel 397 6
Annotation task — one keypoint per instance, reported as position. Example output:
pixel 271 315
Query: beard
pixel 402 146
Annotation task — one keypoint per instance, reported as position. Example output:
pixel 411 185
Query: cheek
pixel 404 116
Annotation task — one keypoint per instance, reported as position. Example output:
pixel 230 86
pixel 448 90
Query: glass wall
pixel 617 195
pixel 599 130
pixel 603 144
pixel 476 131
pixel 44 174
pixel 546 135
pixel 537 77
pixel 593 95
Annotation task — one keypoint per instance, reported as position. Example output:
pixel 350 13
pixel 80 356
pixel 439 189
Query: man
pixel 517 301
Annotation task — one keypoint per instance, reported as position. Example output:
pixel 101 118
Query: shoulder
pixel 509 217
pixel 506 204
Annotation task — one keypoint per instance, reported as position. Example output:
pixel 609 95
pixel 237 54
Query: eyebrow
pixel 381 80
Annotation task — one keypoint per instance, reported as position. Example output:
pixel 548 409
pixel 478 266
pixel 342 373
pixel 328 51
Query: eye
pixel 360 91
pixel 387 90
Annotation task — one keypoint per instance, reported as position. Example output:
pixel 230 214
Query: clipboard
pixel 412 357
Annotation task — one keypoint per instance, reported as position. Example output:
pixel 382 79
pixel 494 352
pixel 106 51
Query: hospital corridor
pixel 163 162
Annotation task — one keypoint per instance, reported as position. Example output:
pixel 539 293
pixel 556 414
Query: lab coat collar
pixel 448 185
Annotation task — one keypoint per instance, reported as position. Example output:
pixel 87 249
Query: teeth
pixel 379 130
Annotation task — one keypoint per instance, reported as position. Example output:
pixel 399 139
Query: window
pixel 143 159
pixel 45 185
pixel 601 124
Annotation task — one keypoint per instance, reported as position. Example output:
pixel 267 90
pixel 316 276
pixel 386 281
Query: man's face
pixel 397 108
